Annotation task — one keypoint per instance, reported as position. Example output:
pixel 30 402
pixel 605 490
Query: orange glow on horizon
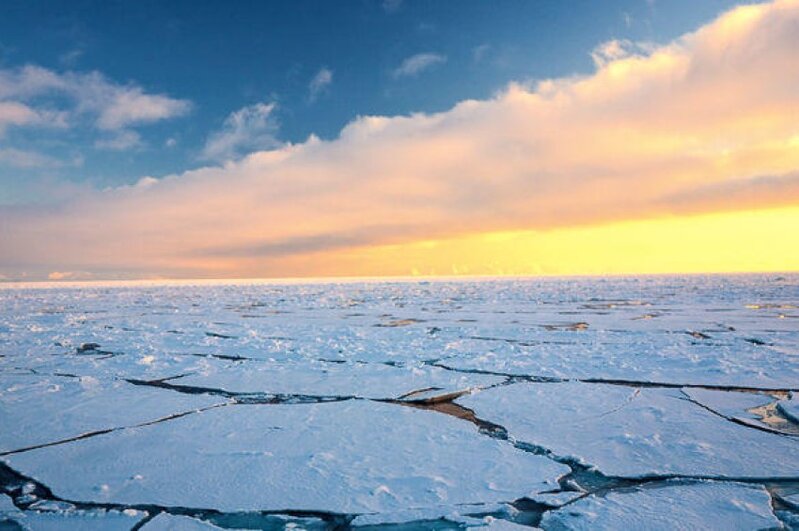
pixel 737 242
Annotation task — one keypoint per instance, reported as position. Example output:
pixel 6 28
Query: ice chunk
pixel 170 522
pixel 670 506
pixel 630 432
pixel 349 457
pixel 79 520
pixel 428 514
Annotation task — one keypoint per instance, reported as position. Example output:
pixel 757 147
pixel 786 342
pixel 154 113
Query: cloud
pixel 18 114
pixel 479 52
pixel 119 141
pixel 24 159
pixel 70 275
pixel 319 83
pixel 705 123
pixel 418 63
pixel 36 96
pixel 617 49
pixel 248 129
pixel 392 6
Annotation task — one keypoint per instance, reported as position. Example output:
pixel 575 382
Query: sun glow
pixel 748 241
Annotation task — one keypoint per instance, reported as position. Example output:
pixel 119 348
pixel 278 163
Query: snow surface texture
pixel 501 404
pixel 671 507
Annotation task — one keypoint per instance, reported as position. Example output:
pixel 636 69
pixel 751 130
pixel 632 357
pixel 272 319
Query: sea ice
pixel 630 432
pixel 350 457
pixel 170 522
pixel 366 380
pixel 46 409
pixel 73 520
pixel 705 505
pixel 790 407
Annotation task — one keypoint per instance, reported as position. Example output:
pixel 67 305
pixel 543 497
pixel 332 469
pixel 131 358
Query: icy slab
pixel 78 520
pixel 367 380
pixel 350 457
pixel 790 407
pixel 427 514
pixel 556 499
pixel 46 409
pixel 495 524
pixel 623 431
pixel 723 506
pixel 170 522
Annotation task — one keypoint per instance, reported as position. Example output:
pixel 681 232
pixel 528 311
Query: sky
pixel 281 139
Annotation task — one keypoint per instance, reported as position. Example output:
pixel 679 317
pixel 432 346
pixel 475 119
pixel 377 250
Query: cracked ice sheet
pixel 711 505
pixel 634 433
pixel 41 410
pixel 331 379
pixel 733 404
pixel 632 356
pixel 344 457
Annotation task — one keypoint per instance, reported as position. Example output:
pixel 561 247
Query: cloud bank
pixel 705 123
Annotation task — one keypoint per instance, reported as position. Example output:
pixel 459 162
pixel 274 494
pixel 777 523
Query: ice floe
pixel 349 457
pixel 722 506
pixel 631 432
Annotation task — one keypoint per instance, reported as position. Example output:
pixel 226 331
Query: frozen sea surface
pixel 494 404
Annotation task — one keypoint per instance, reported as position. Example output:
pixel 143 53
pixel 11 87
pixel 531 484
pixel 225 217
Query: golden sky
pixel 679 157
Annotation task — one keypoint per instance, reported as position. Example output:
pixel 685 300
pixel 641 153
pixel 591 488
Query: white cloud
pixel 13 113
pixel 616 49
pixel 418 63
pixel 248 129
pixel 479 52
pixel 119 141
pixel 24 159
pixel 391 6
pixel 702 124
pixel 36 96
pixel 319 83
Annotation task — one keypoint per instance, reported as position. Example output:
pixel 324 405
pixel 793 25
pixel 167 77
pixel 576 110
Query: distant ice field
pixel 505 403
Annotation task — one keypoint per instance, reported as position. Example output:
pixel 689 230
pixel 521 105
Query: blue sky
pixel 295 68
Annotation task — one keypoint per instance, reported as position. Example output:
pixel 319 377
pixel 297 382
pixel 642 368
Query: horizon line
pixel 345 279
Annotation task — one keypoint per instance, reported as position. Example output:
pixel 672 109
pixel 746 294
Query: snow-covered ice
pixel 633 432
pixel 346 457
pixel 45 409
pixel 169 522
pixel 449 404
pixel 722 506
pixel 790 407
